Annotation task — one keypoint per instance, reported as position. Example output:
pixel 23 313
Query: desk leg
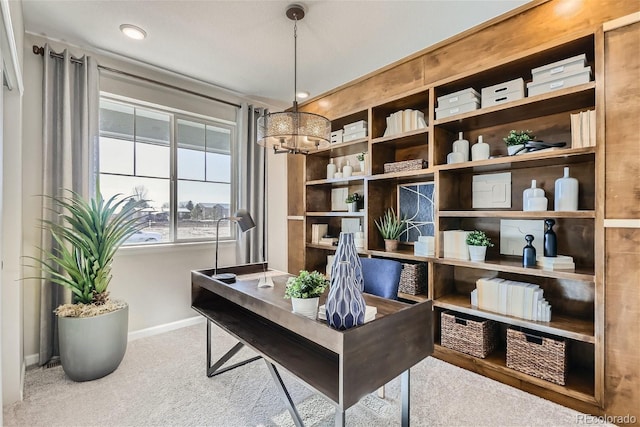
pixel 213 370
pixel 405 391
pixel 297 420
pixel 340 418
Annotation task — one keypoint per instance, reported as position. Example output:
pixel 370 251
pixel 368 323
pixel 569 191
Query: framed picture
pixel 416 203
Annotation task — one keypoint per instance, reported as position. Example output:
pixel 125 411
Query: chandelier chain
pixel 295 61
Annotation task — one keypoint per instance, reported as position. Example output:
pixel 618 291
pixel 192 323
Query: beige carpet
pixel 162 382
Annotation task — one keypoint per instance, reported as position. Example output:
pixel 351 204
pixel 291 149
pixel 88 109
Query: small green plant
pixel 478 238
pixel 360 157
pixel 351 198
pixel 306 285
pixel 390 225
pixel 518 137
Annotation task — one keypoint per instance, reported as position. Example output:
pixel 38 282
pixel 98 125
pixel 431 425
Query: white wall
pixel 11 300
pixel 155 281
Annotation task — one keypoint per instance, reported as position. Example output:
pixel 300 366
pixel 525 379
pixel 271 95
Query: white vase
pixel 480 150
pixel 461 145
pixel 331 169
pixel 566 197
pixel 477 253
pixel 515 149
pixel 455 157
pixel 362 167
pixel 307 307
pixel 533 198
pixel 347 170
pixel 352 206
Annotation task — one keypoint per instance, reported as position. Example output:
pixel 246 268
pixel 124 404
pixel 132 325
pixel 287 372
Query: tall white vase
pixel 480 150
pixel 347 170
pixel 331 169
pixel 566 198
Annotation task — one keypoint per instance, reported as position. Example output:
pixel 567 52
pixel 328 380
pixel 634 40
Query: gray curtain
pixel 252 190
pixel 70 102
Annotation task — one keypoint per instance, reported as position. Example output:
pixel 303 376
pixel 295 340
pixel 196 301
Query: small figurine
pixel 550 239
pixel 529 253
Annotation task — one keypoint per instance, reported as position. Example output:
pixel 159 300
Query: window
pixel 141 148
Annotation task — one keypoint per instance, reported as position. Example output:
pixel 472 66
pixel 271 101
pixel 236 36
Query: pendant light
pixel 294 131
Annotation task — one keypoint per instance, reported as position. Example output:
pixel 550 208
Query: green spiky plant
pixel 87 238
pixel 390 225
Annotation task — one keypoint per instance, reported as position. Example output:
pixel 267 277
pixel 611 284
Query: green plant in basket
pixel 518 137
pixel 306 285
pixel 390 225
pixel 478 238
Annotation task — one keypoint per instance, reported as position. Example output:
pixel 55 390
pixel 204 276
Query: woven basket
pixel 467 334
pixel 407 165
pixel 537 355
pixel 413 279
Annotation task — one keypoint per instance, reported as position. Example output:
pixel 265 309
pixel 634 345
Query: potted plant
pixel 391 227
pixel 360 158
pixel 92 331
pixel 352 201
pixel 305 290
pixel 478 242
pixel 516 139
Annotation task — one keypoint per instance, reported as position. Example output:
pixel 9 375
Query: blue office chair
pixel 381 277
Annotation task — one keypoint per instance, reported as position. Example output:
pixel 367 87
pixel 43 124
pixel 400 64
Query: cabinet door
pixel 622 217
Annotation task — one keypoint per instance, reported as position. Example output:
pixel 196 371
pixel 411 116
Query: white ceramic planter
pixel 307 307
pixel 477 253
pixel 513 149
pixel 352 207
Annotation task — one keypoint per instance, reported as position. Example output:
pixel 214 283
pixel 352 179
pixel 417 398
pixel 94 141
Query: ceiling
pixel 247 45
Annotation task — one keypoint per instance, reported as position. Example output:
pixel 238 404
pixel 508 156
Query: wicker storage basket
pixel 467 334
pixel 413 280
pixel 537 355
pixel 407 165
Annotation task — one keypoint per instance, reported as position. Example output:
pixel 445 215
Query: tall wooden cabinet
pixel 595 307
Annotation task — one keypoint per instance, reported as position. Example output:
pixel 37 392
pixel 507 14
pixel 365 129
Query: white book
pixel 517 300
pixel 406 120
pixel 576 133
pixel 421 122
pixel 474 297
pixel 537 300
pixel 584 128
pixel 592 128
pixel 388 130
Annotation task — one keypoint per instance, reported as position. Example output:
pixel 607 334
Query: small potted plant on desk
pixel 305 290
pixel 391 227
pixel 478 242
pixel 516 139
pixel 352 202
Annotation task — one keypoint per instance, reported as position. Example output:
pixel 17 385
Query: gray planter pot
pixel 92 347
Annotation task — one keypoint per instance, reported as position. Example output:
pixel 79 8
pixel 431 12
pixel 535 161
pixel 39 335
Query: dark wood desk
pixel 343 366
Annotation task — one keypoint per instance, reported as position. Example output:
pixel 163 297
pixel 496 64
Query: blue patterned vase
pixel 345 306
pixel 346 251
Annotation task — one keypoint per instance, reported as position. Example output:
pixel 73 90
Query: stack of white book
pixel 405 121
pixel 583 129
pixel 560 262
pixel 369 314
pixel 318 231
pixel 518 299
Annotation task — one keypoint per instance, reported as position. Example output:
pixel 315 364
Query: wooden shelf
pixel 406 254
pixel 412 137
pixel 361 251
pixel 342 148
pixel 517 214
pixel 579 386
pixel 560 325
pixel 337 182
pixel 337 214
pixel 535 159
pixel 404 175
pixel 515 266
pixel 413 298
pixel 558 101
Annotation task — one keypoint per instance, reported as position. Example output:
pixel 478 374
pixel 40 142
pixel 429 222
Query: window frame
pixel 175 115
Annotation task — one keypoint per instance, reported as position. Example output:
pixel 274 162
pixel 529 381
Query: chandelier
pixel 294 131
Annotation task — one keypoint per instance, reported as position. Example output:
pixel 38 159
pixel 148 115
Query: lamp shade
pixel 295 131
pixel 244 220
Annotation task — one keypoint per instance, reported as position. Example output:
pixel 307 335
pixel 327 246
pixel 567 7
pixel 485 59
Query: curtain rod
pixel 39 50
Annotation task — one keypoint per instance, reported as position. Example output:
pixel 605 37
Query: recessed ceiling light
pixel 133 32
pixel 302 95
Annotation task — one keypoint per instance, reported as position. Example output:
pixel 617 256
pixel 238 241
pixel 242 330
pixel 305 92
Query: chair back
pixel 381 277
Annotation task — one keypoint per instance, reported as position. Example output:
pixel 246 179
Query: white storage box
pixel 336 136
pixel 355 127
pixel 570 79
pixel 503 92
pixel 559 69
pixel 353 136
pixel 444 112
pixel 458 98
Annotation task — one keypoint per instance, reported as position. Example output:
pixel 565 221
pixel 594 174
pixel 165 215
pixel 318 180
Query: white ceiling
pixel 247 45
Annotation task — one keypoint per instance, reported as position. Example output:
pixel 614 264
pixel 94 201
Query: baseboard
pixel 32 359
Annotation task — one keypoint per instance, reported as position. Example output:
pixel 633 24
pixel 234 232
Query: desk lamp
pixel 245 222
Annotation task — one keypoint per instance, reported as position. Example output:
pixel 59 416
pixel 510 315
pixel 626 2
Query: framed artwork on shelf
pixel 416 205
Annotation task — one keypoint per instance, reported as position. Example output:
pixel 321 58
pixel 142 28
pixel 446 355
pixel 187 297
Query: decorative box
pixel 468 334
pixel 559 69
pixel 537 354
pixel 573 78
pixel 455 244
pixel 336 136
pixel 448 111
pixel 346 137
pixel 413 280
pixel 356 127
pixel 503 92
pixel 424 246
pixel 407 165
pixel 458 98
